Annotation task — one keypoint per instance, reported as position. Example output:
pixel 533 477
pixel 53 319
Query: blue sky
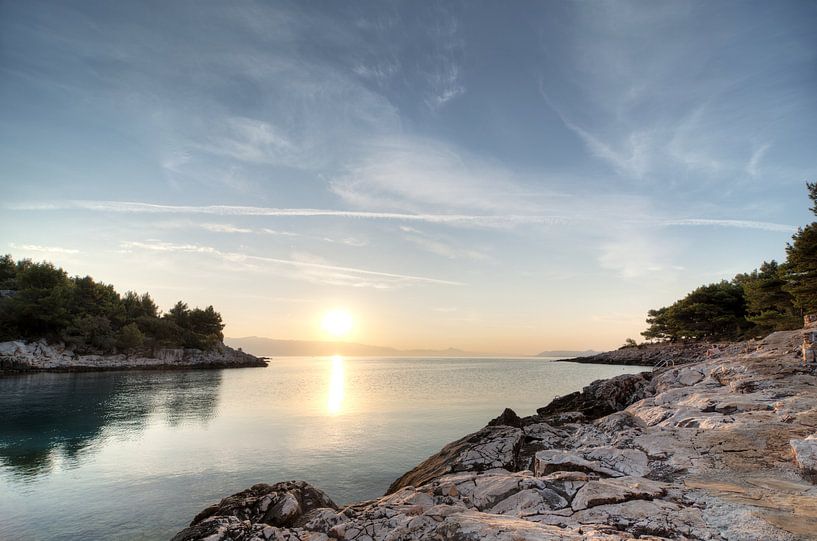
pixel 494 177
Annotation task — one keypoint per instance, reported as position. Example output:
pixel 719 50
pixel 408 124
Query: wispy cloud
pixel 586 216
pixel 233 229
pixel 225 228
pixel 327 273
pixel 753 166
pixel 660 116
pixel 445 248
pixel 444 74
pixel 416 174
pixel 740 224
pixel 633 255
pixel 43 249
pixel 482 220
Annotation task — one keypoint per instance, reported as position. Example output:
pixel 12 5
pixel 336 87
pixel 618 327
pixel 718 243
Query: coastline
pixel 719 448
pixel 19 357
pixel 665 353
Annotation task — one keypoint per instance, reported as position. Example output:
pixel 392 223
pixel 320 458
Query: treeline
pixel 772 298
pixel 39 300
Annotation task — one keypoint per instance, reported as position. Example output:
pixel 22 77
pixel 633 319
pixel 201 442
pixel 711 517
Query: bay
pixel 136 454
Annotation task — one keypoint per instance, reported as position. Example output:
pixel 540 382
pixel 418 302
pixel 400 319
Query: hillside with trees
pixel 40 301
pixel 771 298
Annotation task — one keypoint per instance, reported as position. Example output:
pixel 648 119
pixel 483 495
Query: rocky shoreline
pixel 667 354
pixel 19 356
pixel 717 449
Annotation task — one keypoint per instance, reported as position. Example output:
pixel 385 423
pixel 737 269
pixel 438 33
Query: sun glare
pixel 336 383
pixel 337 322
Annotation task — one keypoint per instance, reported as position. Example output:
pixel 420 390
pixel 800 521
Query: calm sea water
pixel 135 455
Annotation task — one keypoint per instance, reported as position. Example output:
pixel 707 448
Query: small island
pixel 50 321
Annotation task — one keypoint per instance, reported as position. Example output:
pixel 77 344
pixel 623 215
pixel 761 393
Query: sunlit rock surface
pixel 720 449
pixel 21 356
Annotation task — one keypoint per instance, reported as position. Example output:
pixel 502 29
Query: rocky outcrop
pixel 261 510
pixel 720 449
pixel 492 447
pixel 43 357
pixel 664 354
pixel 600 398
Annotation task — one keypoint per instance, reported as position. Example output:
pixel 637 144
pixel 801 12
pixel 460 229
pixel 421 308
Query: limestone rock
pixel 40 356
pixel 805 455
pixel 601 397
pixel 491 447
pixel 607 491
pixel 280 505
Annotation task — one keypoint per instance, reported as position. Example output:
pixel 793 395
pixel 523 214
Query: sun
pixel 337 322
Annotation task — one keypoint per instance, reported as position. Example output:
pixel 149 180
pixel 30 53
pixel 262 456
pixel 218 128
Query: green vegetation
pixel 39 300
pixel 771 298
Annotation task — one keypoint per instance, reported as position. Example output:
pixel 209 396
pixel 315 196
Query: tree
pixel 40 307
pixel 137 306
pixel 659 326
pixel 710 312
pixel 769 305
pixel 129 337
pixel 97 299
pixel 8 273
pixel 92 316
pixel 812 194
pixel 801 260
pixel 801 267
pixel 207 322
pixel 180 315
pixel 90 334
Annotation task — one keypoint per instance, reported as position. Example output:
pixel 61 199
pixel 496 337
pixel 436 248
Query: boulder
pixel 805 456
pixel 602 397
pixel 507 418
pixel 280 505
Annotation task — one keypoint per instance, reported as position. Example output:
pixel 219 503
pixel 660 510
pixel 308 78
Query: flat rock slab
pixel 622 489
pixel 605 461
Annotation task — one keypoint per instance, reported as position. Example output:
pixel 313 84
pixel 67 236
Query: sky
pixel 494 177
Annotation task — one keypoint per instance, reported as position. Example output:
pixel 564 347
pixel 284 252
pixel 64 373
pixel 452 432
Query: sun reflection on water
pixel 335 400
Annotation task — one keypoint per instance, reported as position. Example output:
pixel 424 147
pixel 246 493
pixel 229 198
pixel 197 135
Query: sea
pixel 137 454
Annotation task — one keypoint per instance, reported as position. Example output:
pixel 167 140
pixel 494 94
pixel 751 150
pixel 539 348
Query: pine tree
pixel 801 262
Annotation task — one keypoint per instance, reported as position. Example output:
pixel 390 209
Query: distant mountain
pixel 270 347
pixel 567 354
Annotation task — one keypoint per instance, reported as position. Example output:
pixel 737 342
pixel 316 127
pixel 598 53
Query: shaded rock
pixel 491 447
pixel 602 397
pixel 281 505
pixel 507 418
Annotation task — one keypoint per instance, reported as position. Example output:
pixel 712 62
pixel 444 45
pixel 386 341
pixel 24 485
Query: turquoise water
pixel 135 455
